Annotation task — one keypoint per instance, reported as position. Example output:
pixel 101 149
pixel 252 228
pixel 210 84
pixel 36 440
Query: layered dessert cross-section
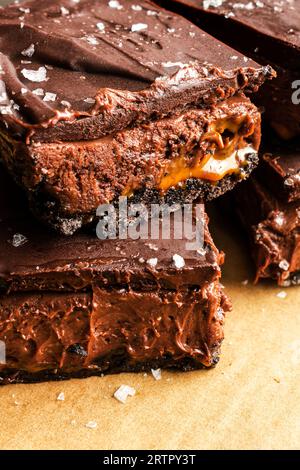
pixel 79 306
pixel 105 98
pixel 268 32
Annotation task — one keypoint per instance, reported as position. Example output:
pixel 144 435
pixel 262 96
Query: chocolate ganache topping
pixel 67 67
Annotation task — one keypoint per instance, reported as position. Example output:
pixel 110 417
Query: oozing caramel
pixel 222 151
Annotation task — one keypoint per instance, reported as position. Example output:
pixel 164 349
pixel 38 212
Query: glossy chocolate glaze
pixel 269 33
pixel 114 66
pixel 275 20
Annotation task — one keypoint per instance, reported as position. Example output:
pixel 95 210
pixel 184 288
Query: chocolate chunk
pixel 127 101
pixel 80 306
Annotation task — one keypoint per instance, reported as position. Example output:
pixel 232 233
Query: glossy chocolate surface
pixel 80 306
pixel 269 33
pixel 69 67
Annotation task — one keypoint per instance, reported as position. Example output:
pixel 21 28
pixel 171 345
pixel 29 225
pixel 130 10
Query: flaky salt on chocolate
pixel 132 101
pixel 268 32
pixel 97 307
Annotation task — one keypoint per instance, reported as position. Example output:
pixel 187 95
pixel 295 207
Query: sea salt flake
pixel 66 103
pixel 38 92
pixel 50 96
pixel 136 7
pixel 115 4
pixel 282 294
pixel 24 10
pixel 91 425
pixel 61 396
pixel 39 75
pixel 284 265
pixel 156 373
pixel 173 64
pixel 89 100
pixel 152 246
pixel 29 51
pixel 123 393
pixel 19 240
pixel 212 3
pixel 152 13
pixel 178 261
pixel 138 27
pixel 152 262
pixel 101 26
pixel 64 11
pixel 92 40
pixel 5 110
pixel 245 282
pixel 24 91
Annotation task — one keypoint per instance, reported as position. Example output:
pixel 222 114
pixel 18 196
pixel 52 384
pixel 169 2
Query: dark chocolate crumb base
pixel 186 364
pixel 194 189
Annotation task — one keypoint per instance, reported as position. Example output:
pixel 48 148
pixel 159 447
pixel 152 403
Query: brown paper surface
pixel 249 401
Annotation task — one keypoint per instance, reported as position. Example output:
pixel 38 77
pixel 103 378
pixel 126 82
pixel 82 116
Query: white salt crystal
pixel 123 393
pixel 152 262
pixel 91 425
pixel 178 261
pixel 50 96
pixel 282 294
pixel 138 27
pixel 115 4
pixel 29 51
pixel 156 373
pixel 39 75
pixel 19 240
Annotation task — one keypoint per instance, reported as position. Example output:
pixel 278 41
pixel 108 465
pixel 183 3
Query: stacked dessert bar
pixel 102 99
pixel 269 203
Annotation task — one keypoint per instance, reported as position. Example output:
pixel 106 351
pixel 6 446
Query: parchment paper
pixel 249 401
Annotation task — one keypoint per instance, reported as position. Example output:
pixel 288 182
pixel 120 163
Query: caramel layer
pixel 223 150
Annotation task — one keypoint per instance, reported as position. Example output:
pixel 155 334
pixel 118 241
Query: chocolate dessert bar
pixel 268 205
pixel 107 98
pixel 279 168
pixel 79 306
pixel 268 32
